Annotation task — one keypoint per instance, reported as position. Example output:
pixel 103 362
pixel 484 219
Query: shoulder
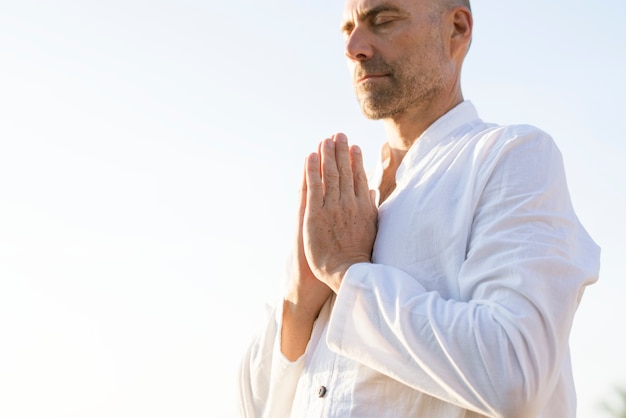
pixel 495 137
pixel 521 143
pixel 515 158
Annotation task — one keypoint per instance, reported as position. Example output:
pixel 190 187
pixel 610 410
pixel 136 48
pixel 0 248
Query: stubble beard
pixel 411 83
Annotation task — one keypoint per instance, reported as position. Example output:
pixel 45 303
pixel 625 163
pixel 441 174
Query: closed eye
pixel 376 17
pixel 382 20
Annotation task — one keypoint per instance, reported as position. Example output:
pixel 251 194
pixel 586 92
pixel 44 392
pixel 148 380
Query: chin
pixel 377 109
pixel 377 113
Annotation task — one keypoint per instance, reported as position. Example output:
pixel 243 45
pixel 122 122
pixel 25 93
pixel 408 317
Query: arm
pixel 334 189
pixel 499 349
pixel 271 368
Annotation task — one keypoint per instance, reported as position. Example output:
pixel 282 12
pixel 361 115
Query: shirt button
pixel 321 392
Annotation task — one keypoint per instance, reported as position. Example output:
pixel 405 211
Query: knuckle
pixel 332 175
pixel 345 172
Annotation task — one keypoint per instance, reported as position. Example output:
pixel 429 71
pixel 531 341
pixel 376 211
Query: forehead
pixel 355 9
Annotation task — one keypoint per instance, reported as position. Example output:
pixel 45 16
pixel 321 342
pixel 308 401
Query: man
pixel 451 290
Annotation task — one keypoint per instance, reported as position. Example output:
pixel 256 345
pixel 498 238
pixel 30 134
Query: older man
pixel 448 292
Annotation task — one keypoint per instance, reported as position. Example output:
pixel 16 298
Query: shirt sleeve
pixel 268 380
pixel 499 349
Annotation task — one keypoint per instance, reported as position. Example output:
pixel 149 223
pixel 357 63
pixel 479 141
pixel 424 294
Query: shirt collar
pixel 439 133
pixel 443 130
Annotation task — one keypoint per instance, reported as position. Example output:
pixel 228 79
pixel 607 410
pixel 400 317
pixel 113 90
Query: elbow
pixel 528 372
pixel 524 383
pixel 525 392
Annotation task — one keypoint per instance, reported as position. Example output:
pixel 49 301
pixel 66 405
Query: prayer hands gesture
pixel 339 223
pixel 336 228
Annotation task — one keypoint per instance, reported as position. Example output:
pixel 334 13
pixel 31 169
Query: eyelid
pixel 383 18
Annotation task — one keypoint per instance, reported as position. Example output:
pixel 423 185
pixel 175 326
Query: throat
pixel 392 158
pixel 387 185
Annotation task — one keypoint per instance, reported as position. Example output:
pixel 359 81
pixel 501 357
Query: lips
pixel 371 71
pixel 374 69
pixel 367 77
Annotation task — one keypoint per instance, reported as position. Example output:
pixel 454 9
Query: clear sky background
pixel 150 155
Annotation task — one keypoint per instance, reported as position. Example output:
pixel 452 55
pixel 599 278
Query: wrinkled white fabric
pixel 478 267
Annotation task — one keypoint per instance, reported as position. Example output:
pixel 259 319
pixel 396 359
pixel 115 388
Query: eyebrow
pixel 369 14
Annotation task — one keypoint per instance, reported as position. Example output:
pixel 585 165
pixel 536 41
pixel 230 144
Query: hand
pixel 340 217
pixel 305 296
pixel 305 293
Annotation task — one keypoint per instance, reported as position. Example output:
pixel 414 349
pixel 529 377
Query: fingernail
pixel 313 157
pixel 356 149
pixel 342 139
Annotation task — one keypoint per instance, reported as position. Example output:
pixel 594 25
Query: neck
pixel 402 132
pixel 405 128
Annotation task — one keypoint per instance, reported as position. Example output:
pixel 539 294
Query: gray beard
pixel 400 90
pixel 381 103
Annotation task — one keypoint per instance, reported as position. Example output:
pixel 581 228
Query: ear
pixel 461 35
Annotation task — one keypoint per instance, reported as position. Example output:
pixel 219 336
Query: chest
pixel 424 227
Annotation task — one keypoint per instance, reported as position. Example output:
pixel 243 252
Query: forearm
pixel 481 357
pixel 297 325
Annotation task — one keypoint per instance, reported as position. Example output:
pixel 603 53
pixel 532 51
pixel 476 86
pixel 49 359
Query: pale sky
pixel 150 154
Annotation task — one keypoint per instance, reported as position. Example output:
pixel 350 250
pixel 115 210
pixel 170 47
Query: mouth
pixel 370 77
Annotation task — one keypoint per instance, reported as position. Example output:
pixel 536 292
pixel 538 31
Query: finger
pixel 299 244
pixel 361 187
pixel 344 166
pixel 314 188
pixel 319 153
pixel 302 197
pixel 330 174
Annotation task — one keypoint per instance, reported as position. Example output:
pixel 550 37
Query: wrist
pixel 295 309
pixel 335 278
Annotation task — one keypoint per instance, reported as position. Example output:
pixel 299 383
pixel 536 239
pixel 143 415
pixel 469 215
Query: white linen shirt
pixel 478 267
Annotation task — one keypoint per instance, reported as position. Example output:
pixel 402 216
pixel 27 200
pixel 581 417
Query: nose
pixel 358 45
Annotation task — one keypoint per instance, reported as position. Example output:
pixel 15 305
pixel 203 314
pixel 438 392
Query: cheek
pixel 400 48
